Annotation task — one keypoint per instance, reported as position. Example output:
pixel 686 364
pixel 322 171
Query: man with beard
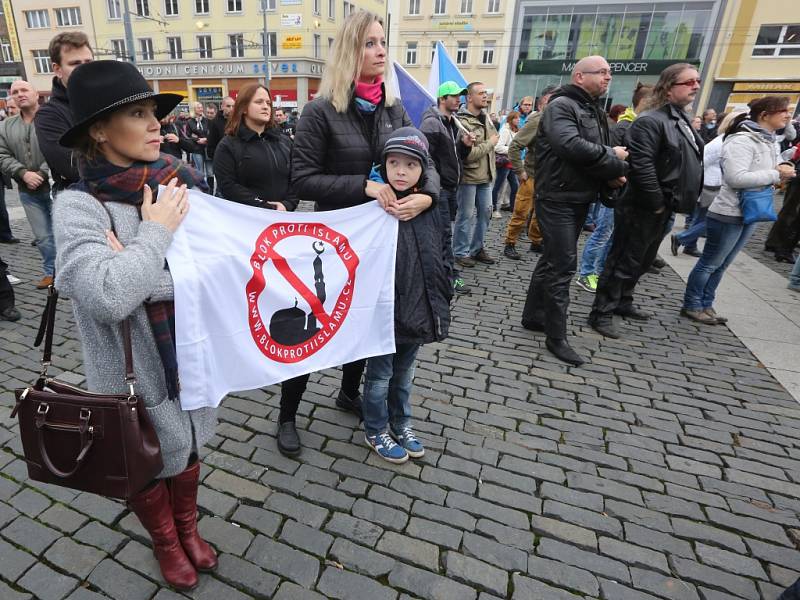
pixel 666 176
pixel 574 165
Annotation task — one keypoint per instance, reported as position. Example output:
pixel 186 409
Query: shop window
pixel 204 49
pixel 201 7
pixel 413 7
pixel 494 7
pixel 143 8
pixel 439 7
pixel 411 53
pixel 466 7
pixel 778 40
pixel 37 19
pixel 271 43
pixel 118 49
pixel 114 9
pixel 171 8
pixel 462 53
pixel 237 45
pixel 146 48
pixel 488 53
pixel 41 61
pixel 68 17
pixel 175 48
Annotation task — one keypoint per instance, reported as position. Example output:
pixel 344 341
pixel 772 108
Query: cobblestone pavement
pixel 667 467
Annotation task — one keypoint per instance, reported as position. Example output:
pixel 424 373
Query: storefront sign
pixel 220 69
pixel 291 19
pixel 766 86
pixel 453 24
pixel 12 31
pixel 292 42
pixel 618 67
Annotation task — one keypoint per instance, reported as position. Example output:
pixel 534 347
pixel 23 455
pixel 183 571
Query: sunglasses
pixel 689 82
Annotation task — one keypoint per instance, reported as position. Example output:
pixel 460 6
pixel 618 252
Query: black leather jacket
pixel 573 155
pixel 666 167
pixel 52 120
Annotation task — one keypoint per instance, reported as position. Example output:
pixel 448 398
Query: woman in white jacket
pixel 749 161
pixel 503 162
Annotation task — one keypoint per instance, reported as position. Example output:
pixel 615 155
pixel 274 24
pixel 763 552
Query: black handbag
pixel 89 441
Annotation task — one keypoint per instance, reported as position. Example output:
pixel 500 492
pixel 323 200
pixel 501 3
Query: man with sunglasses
pixel 575 165
pixel 666 177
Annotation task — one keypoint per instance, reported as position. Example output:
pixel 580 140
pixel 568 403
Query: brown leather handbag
pixel 94 442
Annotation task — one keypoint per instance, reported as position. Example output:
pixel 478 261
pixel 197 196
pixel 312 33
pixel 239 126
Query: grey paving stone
pixel 774 554
pixel 757 528
pixel 524 540
pixel 526 588
pixel 475 573
pixel 634 555
pixel 306 538
pixel 425 584
pixel 391 498
pixel 361 560
pixel 30 502
pixel 246 576
pixel 7 514
pixel 730 561
pixel 418 489
pixel 215 502
pixel 387 517
pixel 6 593
pixel 709 534
pixel 663 585
pixel 358 530
pixel 715 578
pixel 291 591
pixel 482 508
pixel 590 561
pixel 633 513
pixel 62 518
pixel 337 583
pixel 141 559
pixel 612 589
pixel 120 583
pixel 97 507
pixel 495 553
pixel 236 486
pixel 299 510
pixel 98 535
pixel 257 519
pixel 573 534
pixel 409 549
pixel 284 561
pixel 449 516
pixel 604 487
pixel 580 516
pixel 433 532
pixel 587 500
pixel 517 500
pixel 13 562
pixel 74 558
pixel 563 575
pixel 30 535
pixel 47 584
pixel 209 588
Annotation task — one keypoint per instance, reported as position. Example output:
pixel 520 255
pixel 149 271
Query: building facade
pixel 207 49
pixel 37 22
pixel 476 34
pixel 758 54
pixel 639 39
pixel 11 67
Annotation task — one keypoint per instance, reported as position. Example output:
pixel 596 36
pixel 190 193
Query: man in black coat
pixel 216 126
pixel 67 50
pixel 575 164
pixel 666 176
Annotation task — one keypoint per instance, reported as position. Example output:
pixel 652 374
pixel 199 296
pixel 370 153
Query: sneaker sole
pixel 419 454
pixel 582 285
pixel 396 461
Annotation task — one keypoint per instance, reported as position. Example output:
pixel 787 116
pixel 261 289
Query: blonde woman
pixel 339 138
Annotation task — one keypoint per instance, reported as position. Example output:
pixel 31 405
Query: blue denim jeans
pixel 794 276
pixel 591 216
pixel 198 160
pixel 723 243
pixel 503 175
pixel 387 390
pixel 38 208
pixel 596 248
pixel 688 238
pixel 472 217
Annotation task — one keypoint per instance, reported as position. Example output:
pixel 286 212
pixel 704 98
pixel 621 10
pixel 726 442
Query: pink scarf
pixel 371 92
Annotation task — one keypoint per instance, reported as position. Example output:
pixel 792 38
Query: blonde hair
pixel 344 61
pixel 725 124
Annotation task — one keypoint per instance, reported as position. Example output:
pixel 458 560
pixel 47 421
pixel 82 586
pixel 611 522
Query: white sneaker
pixel 13 280
pixel 496 215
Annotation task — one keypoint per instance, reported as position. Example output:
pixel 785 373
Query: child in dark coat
pixel 421 309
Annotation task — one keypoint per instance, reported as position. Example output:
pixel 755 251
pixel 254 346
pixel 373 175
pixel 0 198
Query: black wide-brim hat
pixel 98 88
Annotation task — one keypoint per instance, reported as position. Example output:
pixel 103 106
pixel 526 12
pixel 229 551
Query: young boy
pixel 421 304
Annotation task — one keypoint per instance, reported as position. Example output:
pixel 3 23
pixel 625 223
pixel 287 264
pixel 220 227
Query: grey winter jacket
pixel 19 152
pixel 748 161
pixel 106 287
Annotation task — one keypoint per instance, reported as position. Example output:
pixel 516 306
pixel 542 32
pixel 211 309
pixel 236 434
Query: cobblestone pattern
pixel 667 467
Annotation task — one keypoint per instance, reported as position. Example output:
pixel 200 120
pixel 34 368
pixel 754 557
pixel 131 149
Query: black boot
pixel 353 405
pixel 288 440
pixel 631 312
pixel 511 252
pixel 605 327
pixel 564 352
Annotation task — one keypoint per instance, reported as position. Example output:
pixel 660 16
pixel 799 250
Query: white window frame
pixel 42 62
pixel 465 7
pixel 114 9
pixel 202 4
pixel 413 7
pixel 37 19
pixel 332 9
pixel 439 7
pixel 781 44
pixel 146 50
pixel 272 43
pixel 142 8
pixel 271 6
pixel 5 47
pixel 493 7
pixel 175 47
pixel 233 7
pixel 462 53
pixel 411 53
pixel 236 45
pixel 118 49
pixel 172 8
pixel 205 47
pixel 489 47
pixel 317 7
pixel 72 14
pixel 317 49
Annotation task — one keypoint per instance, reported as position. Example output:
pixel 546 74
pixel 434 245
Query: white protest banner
pixel 262 296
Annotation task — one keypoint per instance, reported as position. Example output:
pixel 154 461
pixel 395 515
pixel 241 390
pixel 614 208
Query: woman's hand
pixel 382 192
pixel 786 171
pixel 279 206
pixel 171 207
pixel 115 244
pixel 409 207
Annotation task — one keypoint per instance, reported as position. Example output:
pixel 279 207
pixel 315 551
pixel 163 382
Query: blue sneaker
pixel 409 441
pixel 384 445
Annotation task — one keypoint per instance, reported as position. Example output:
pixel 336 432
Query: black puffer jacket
pixel 52 120
pixel 445 146
pixel 254 169
pixel 573 156
pixel 216 131
pixel 666 167
pixel 334 153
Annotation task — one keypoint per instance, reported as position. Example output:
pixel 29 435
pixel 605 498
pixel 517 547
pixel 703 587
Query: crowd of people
pixel 106 142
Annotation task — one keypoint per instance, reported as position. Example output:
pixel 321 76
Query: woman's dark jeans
pixel 513 182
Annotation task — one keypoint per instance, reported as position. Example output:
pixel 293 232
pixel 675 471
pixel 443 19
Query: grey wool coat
pixel 106 287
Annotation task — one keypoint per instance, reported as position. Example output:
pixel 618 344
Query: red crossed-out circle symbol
pixel 329 323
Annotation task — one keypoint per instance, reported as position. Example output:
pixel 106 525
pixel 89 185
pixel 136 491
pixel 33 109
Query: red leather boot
pixel 183 490
pixel 153 508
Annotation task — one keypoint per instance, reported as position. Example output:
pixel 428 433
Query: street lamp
pixel 264 44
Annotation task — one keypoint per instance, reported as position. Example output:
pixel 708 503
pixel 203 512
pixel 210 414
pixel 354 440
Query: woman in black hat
pixel 112 238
